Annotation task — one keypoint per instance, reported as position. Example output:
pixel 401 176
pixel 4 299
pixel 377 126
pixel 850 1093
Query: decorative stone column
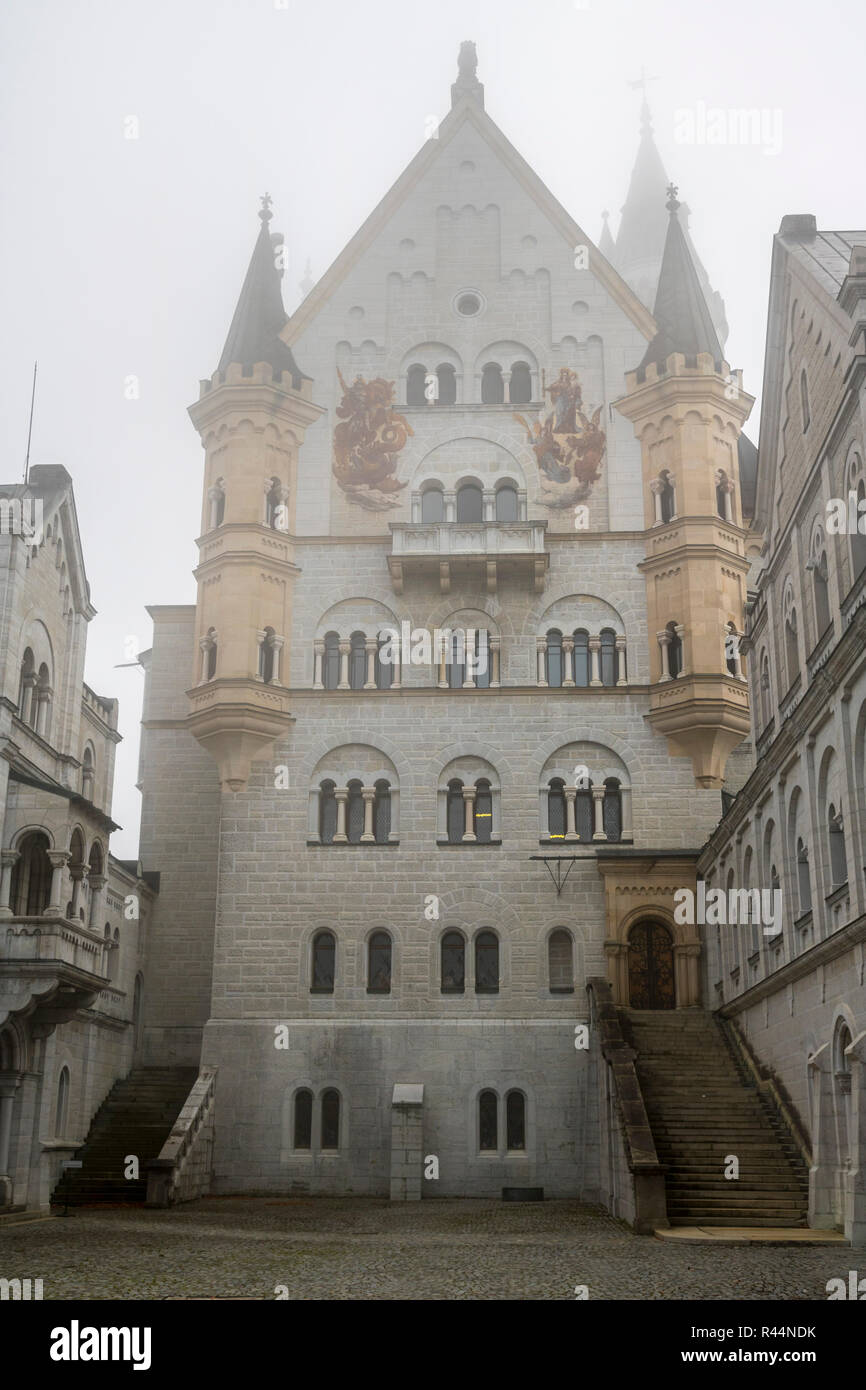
pixel 664 643
pixel 621 672
pixel 58 859
pixel 469 813
pixel 617 970
pixel 657 488
pixel 493 654
pixel 369 795
pixel 8 859
pixel 395 665
pixel 8 1086
pixel 679 629
pixel 28 697
pixel 277 644
pixel 568 653
pixel 416 507
pixel 450 501
pixel 598 832
pixel 443 665
pixel 371 646
pixel 341 796
pixel 594 649
pixel 97 897
pixel 488 505
pixel 79 874
pixel 205 645
pixel 43 706
pixel 318 658
pixel 686 974
pixel 570 825
pixel 345 648
pixel 540 653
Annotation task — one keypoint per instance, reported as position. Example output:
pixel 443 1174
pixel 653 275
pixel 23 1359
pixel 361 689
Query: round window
pixel 468 304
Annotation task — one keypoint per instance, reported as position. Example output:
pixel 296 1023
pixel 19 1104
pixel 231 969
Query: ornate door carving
pixel 650 967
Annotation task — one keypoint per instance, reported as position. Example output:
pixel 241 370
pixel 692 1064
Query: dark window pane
pixel 355 814
pixel 330 1120
pixel 481 673
pixel 384 670
pixel 303 1119
pixel 415 384
pixel 432 505
pixel 520 386
pixel 554 657
pixel 456 815
pixel 447 385
pixel 488 1139
pixel 331 662
pixel 559 963
pixel 453 963
pixel 486 963
pixel 581 658
pixel 612 819
pixel 492 385
pixel 506 503
pixel 583 814
pixel 357 661
pixel 456 660
pixel 469 503
pixel 515 1120
pixel 483 813
pixel 608 657
pixel 556 809
pixel 328 814
pixel 379 974
pixel 324 951
pixel 382 813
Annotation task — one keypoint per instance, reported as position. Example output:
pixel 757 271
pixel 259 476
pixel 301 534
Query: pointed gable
pixel 254 335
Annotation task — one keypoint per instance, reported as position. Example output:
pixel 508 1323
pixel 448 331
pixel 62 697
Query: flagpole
pixel 30 427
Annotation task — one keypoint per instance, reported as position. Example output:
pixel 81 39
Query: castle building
pixel 73 919
pixel 449 722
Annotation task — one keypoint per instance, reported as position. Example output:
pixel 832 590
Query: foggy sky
pixel 121 257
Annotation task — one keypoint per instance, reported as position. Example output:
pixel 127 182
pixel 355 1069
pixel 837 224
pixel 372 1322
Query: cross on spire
pixel 672 191
pixel 265 211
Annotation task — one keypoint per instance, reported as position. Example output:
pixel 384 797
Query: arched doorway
pixel 650 967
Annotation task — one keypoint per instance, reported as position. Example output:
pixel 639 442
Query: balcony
pixel 50 967
pixel 473 550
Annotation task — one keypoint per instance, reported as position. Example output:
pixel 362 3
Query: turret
pixel 688 409
pixel 252 417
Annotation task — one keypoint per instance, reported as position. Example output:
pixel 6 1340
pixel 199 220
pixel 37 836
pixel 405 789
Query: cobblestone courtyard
pixel 362 1248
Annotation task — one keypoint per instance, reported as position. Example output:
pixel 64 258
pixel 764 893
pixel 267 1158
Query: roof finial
pixel 265 210
pixel 672 205
pixel 467 83
pixel 645 117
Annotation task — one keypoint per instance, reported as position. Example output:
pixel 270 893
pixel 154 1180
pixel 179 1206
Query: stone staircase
pixel 702 1107
pixel 135 1118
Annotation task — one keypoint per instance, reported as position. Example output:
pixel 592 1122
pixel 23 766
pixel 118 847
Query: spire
pixel 467 83
pixel 605 242
pixel 259 316
pixel 681 311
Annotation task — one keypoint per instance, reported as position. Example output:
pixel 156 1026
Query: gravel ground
pixel 369 1248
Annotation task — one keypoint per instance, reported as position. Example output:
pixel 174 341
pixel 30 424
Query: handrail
pixel 182 1170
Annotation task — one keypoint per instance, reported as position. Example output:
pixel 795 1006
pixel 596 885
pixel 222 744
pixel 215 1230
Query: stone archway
pixel 651 978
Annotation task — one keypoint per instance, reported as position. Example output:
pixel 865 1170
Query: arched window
pixel 492 385
pixel 765 691
pixel 483 811
pixel 792 654
pixel 384 670
pixel 331 661
pixel 838 861
pixel 560 967
pixel 515 1121
pixel 506 503
pixel 357 660
pixel 266 656
pixel 455 814
pixel 210 654
pixel 457 659
pixel 382 812
pixel 432 504
pixel 303 1120
pixel 324 958
pixel 841 1043
pixel 379 963
pixel 447 384
pixel 488 1122
pixel 327 813
pixel 486 963
pixel 31 877
pixel 721 493
pixel 581 657
pixel 470 502
pixel 732 649
pixel 43 701
pixel 804 400
pixel 274 506
pixel 553 662
pixel 583 820
pixel 355 812
pixel 481 671
pixel 803 881
pixel 27 689
pixel 415 379
pixel 330 1119
pixel 612 809
pixel 858 539
pixel 87 773
pixel 453 963
pixel 106 953
pixel 666 496
pixel 608 656
pixel 556 809
pixel 520 385
pixel 822 593
pixel 61 1112
pixel 217 497
pixel 675 651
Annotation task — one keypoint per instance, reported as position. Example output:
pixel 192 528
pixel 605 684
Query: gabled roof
pixel 52 484
pixel 467 110
pixel 681 311
pixel 254 335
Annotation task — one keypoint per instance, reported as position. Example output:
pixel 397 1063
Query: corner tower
pixel 252 417
pixel 688 409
